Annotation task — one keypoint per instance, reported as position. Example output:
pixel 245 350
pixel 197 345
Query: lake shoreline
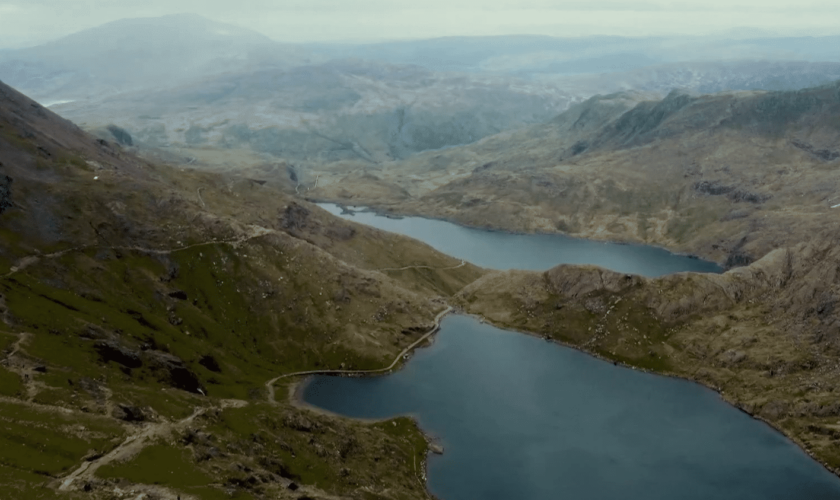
pixel 512 328
pixel 295 390
pixel 376 210
pixel 716 390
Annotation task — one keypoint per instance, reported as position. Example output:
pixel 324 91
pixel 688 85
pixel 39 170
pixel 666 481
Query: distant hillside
pixel 716 175
pixel 136 53
pixel 708 77
pixel 531 56
pixel 209 94
pixel 341 110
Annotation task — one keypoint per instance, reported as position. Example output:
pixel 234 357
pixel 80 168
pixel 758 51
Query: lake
pixel 523 418
pixel 535 252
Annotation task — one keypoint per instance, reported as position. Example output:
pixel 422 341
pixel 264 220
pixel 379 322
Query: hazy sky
pixel 26 22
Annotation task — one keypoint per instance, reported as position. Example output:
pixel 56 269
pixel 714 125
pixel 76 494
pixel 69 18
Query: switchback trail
pixel 270 384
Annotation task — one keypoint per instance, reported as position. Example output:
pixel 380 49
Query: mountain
pixel 140 53
pixel 340 110
pixel 710 175
pixel 190 90
pixel 144 308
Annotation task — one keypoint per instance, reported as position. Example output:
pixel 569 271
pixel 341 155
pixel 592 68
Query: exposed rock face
pixel 294 217
pixel 298 422
pixel 175 371
pixel 130 413
pixel 733 193
pixel 171 368
pixel 822 154
pixel 579 281
pixel 113 351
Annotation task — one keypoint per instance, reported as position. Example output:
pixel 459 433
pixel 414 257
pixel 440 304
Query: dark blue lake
pixel 536 252
pixel 521 418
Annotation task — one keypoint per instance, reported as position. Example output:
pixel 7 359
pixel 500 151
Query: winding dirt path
pixel 23 367
pixel 462 264
pixel 22 337
pixel 127 449
pixel 200 199
pixel 25 262
pixel 270 384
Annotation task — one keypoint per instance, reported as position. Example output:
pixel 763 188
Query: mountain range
pixel 189 89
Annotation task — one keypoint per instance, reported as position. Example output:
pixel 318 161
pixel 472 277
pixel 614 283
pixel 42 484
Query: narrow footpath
pixel 270 384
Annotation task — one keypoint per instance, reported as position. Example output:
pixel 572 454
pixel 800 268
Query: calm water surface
pixel 525 419
pixel 521 418
pixel 536 252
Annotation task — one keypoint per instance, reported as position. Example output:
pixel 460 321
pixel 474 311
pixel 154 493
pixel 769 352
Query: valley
pixel 200 226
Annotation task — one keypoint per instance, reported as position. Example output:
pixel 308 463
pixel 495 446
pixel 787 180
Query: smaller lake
pixel 535 252
pixel 523 418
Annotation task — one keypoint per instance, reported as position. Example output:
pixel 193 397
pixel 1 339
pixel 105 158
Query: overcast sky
pixel 27 22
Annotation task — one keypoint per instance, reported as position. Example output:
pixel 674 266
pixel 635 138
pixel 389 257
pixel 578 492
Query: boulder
pixel 110 350
pixel 129 413
pixel 176 373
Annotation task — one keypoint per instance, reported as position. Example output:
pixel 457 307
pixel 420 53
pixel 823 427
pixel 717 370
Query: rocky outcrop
pixel 172 369
pixel 294 217
pixel 579 281
pixel 735 194
pixel 169 368
pixel 130 413
pixel 110 350
pixel 822 154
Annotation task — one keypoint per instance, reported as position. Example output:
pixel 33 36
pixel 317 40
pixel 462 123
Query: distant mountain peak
pixel 133 53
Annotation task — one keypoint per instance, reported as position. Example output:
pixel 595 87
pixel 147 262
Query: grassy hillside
pixel 144 309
